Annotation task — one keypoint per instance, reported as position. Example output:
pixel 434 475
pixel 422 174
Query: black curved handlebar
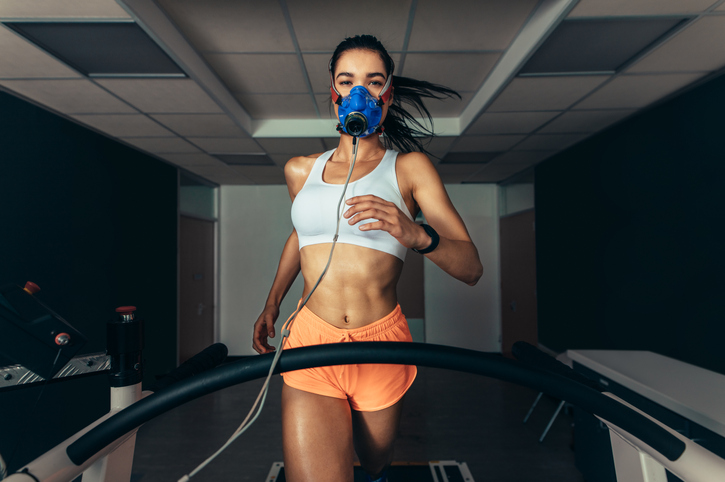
pixel 423 354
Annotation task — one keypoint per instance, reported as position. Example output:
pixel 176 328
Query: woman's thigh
pixel 374 435
pixel 316 437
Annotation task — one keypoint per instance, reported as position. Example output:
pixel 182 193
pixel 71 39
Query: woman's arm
pixel 417 177
pixel 287 271
pixel 296 172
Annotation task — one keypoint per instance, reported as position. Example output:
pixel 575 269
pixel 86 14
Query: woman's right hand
pixel 263 328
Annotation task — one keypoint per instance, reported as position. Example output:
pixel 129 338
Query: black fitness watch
pixel 434 240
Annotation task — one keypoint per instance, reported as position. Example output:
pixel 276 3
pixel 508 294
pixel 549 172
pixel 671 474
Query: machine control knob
pixel 62 339
pixel 126 312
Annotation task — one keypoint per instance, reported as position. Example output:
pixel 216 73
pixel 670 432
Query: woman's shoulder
pixel 414 164
pixel 296 171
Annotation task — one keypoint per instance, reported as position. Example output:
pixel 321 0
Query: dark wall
pixel 94 224
pixel 629 234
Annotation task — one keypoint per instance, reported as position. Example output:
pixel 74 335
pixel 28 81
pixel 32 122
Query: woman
pixel 328 413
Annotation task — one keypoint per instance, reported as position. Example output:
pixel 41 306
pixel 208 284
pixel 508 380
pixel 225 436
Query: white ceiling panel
pixel 522 158
pixel 489 25
pixel 69 96
pixel 721 7
pixel 317 66
pixel 700 47
pixel 201 125
pixel 550 141
pixel 162 145
pixel 450 107
pixel 463 72
pixel 278 106
pixel 632 91
pixel 600 8
pixel 21 59
pixel 324 105
pixel 231 26
pixel 584 121
pixel 222 145
pixel 545 93
pixel 320 25
pixel 487 143
pixel 163 96
pixel 221 175
pixel 259 73
pixel 439 147
pixel 131 125
pixel 509 123
pixel 292 145
pixel 194 159
pixel 23 9
pixel 495 173
pixel 457 173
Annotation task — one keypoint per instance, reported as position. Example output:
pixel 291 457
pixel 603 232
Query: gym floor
pixel 447 416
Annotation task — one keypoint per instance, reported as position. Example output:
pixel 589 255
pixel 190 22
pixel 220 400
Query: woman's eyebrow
pixel 370 75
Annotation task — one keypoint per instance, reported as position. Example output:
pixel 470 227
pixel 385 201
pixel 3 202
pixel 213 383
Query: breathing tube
pixel 285 331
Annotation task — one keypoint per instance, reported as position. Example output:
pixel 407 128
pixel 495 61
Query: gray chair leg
pixel 532 407
pixel 551 422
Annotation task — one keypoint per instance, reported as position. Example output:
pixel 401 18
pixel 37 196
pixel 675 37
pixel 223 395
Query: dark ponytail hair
pixel 402 131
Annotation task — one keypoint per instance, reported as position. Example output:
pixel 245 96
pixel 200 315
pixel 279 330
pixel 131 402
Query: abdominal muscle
pixel 359 287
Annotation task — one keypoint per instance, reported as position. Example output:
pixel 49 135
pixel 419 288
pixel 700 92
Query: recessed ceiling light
pixel 101 49
pixel 601 45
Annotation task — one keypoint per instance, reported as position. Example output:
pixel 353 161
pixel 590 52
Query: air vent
pixel 601 46
pixel 245 159
pixel 101 49
pixel 468 157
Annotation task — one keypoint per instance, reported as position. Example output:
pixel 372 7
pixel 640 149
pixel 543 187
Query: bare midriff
pixel 359 287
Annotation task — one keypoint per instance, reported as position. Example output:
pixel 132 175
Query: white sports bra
pixel 313 210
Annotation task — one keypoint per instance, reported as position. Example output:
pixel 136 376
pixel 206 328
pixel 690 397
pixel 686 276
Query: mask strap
pixel 384 95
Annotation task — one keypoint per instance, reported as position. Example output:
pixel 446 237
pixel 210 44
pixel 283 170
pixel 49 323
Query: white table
pixel 694 393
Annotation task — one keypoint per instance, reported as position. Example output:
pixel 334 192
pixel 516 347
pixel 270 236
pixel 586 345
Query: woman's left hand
pixel 389 218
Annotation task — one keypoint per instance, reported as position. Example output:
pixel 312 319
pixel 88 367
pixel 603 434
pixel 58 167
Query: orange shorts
pixel 367 387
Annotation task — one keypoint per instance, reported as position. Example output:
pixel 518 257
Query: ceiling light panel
pixel 635 91
pixel 600 8
pixel 70 96
pixel 544 93
pixel 221 145
pixel 584 121
pixel 489 25
pixel 384 19
pixel 133 125
pixel 201 125
pixel 259 73
pixel 101 49
pixel 509 123
pixel 278 106
pixel 162 145
pixel 463 72
pixel 53 9
pixel 231 26
pixel 699 47
pixel 22 59
pixel 597 45
pixel 487 143
pixel 163 96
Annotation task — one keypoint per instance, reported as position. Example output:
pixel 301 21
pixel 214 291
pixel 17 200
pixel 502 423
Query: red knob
pixel 31 287
pixel 62 339
pixel 125 310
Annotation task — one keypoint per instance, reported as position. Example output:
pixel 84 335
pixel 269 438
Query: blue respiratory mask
pixel 359 112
